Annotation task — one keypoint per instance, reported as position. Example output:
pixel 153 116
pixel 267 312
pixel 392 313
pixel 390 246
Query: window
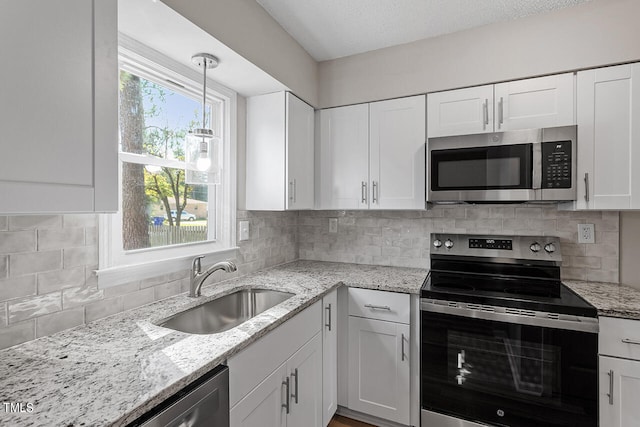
pixel 169 211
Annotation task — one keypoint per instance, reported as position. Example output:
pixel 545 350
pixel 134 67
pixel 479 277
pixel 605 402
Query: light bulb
pixel 204 162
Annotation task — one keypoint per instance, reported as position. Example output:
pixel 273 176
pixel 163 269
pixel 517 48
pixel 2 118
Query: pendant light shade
pixel 202 147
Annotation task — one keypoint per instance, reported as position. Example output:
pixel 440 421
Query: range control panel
pixel 545 248
pixel 556 164
pixel 506 244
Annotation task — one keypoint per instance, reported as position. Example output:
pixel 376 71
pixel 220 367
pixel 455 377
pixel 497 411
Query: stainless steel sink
pixel 226 312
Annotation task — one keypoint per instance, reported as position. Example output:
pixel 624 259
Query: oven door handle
pixel 500 314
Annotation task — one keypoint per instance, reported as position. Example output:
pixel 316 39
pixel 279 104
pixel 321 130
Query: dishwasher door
pixel 203 403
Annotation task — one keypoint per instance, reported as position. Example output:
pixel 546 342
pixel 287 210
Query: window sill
pixel 114 276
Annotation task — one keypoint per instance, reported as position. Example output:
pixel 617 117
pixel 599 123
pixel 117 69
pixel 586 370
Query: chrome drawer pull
pixel 378 307
pixel 628 341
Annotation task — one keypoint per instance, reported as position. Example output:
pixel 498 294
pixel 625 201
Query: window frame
pixel 117 266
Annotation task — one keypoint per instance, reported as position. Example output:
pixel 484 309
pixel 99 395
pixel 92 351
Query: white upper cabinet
pixel 609 138
pixel 280 150
pixel 372 156
pixel 397 152
pixel 522 104
pixel 343 158
pixel 542 102
pixel 59 106
pixel 460 112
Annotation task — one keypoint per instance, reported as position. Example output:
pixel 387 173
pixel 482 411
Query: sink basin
pixel 226 312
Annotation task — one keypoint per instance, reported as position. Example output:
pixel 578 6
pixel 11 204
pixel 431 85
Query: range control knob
pixel 535 247
pixel 550 248
pixel 448 244
pixel 437 243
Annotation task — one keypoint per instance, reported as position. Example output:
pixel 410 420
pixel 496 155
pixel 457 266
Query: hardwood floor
pixel 339 421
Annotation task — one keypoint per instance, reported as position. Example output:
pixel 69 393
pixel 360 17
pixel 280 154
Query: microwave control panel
pixel 556 164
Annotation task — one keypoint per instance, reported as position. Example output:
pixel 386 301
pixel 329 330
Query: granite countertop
pixel 111 371
pixel 610 299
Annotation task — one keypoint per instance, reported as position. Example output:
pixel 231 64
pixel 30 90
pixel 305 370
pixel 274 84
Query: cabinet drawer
pixel 381 305
pixel 619 337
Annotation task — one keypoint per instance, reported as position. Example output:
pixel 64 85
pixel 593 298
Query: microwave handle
pixel 536 183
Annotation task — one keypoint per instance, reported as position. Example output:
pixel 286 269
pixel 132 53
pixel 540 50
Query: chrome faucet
pixel 198 276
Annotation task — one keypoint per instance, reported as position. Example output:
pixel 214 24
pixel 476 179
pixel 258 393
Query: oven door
pixel 507 374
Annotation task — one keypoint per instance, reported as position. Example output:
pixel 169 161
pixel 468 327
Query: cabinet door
pixel 299 153
pixel 397 147
pixel 609 138
pixel 343 170
pixel 266 180
pixel 263 406
pixel 619 390
pixel 305 376
pixel 329 356
pixel 59 106
pixel 460 112
pixel 535 103
pixel 379 368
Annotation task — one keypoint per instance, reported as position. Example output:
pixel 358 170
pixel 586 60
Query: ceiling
pixel 329 29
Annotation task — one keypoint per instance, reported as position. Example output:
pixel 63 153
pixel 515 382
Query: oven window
pixel 495 167
pixel 508 374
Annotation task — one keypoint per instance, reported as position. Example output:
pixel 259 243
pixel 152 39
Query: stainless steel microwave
pixel 513 166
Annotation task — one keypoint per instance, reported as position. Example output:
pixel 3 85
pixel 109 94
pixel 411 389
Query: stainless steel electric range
pixel 503 341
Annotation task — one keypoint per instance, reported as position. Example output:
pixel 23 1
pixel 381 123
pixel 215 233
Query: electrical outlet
pixel 586 233
pixel 244 230
pixel 333 225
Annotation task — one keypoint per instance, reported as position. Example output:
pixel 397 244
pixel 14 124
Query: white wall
pixel 630 248
pixel 592 34
pixel 245 27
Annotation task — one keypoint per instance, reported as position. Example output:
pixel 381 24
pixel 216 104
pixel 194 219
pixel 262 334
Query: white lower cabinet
pixel 619 392
pixel 619 372
pixel 379 356
pixel 329 356
pixel 263 405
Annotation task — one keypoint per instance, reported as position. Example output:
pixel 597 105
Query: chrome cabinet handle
pixel 364 192
pixel 485 113
pixel 291 191
pixel 500 112
pixel 378 307
pixel 610 394
pixel 375 192
pixel 286 404
pixel 402 346
pixel 295 375
pixel 294 190
pixel 628 341
pixel 328 309
pixel 586 186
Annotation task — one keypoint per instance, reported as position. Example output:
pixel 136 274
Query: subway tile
pixel 167 290
pixel 582 262
pixel 528 212
pixel 17 334
pixel 124 289
pixel 75 297
pixel 91 236
pixel 34 262
pixel 601 250
pixel 17 241
pixel 56 322
pixel 80 220
pixel 138 298
pixel 60 238
pixel 4 223
pixel 29 222
pixel 4 266
pixel 87 255
pixel 27 308
pixel 610 276
pixel 17 287
pixel 3 315
pixel 61 279
pixel 104 308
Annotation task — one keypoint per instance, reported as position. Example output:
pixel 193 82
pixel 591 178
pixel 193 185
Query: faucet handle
pixel 196 266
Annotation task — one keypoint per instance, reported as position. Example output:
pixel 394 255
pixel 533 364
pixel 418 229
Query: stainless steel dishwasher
pixel 205 402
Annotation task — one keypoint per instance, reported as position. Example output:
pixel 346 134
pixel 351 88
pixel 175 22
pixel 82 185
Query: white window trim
pixel 145 263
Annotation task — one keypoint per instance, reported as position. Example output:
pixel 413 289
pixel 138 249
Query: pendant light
pixel 200 140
